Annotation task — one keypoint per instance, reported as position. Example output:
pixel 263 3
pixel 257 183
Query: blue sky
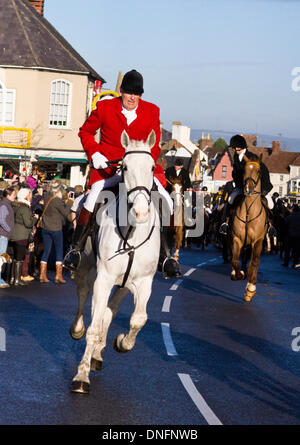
pixel 211 64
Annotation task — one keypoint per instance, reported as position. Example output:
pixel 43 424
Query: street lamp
pixel 173 152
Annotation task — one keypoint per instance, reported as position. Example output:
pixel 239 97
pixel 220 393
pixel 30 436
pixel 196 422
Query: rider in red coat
pixel 138 117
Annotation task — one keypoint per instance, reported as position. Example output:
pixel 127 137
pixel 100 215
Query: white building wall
pixel 182 134
pixel 280 183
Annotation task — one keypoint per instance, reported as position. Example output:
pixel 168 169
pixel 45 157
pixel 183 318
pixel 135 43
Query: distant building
pixel 46 93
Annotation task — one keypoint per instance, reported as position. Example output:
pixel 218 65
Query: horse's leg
pixel 102 289
pixel 178 241
pixel 252 271
pixel 236 272
pixel 110 313
pixel 77 329
pixel 124 343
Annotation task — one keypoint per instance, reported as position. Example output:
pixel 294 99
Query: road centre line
pixel 167 302
pixel 168 339
pixel 199 401
pixel 176 285
pixel 189 272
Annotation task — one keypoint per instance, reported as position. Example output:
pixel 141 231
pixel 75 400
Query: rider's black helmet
pixel 237 141
pixel 179 162
pixel 132 83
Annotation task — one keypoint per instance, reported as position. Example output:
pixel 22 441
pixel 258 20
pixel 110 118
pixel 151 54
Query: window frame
pixel 224 171
pixel 5 90
pixel 69 106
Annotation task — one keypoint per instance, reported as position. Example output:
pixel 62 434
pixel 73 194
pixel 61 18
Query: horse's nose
pixel 142 216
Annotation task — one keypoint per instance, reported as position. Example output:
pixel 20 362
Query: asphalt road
pixel 204 356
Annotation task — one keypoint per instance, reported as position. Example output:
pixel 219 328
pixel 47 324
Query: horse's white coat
pixel 112 262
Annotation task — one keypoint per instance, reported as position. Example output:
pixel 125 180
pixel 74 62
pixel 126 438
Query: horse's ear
pixel 151 139
pixel 125 141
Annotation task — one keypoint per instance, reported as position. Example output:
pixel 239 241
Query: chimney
pixel 38 5
pixel 275 146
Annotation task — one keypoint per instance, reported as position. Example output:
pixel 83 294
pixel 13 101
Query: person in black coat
pixel 292 231
pixel 239 144
pixel 178 171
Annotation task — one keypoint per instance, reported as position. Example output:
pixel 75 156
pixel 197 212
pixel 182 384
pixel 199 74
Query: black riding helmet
pixel 238 141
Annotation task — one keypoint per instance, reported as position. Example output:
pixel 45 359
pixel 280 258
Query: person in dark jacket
pixel 55 214
pixel 292 231
pixel 239 144
pixel 24 222
pixel 6 223
pixel 178 171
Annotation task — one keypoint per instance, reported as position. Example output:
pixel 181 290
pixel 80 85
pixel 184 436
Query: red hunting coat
pixel 109 119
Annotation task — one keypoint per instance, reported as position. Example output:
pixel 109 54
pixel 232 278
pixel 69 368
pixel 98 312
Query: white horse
pixel 127 258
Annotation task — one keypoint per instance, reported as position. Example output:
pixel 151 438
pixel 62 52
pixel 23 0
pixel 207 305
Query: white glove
pixel 99 161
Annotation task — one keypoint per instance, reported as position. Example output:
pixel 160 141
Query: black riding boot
pixel 12 273
pixel 18 273
pixel 225 218
pixel 166 264
pixel 73 257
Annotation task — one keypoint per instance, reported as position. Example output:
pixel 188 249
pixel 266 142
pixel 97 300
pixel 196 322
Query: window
pixel 294 186
pixel 224 171
pixel 60 104
pixel 281 178
pixel 280 191
pixel 7 105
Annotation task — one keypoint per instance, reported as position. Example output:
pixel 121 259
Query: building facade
pixel 46 93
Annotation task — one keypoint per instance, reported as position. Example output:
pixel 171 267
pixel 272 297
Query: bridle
pixel 254 192
pixel 255 182
pixel 120 166
pixel 127 248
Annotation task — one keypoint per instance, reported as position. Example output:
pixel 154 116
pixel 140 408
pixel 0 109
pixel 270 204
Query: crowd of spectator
pixel 36 227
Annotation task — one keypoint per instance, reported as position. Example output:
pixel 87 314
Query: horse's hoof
pixel 242 275
pixel 249 296
pixel 118 344
pixel 96 365
pixel 80 387
pixel 77 335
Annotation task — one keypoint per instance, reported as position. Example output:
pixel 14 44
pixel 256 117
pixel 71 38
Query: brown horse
pixel 249 227
pixel 178 231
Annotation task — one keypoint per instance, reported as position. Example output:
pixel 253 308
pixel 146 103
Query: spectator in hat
pixel 128 112
pixel 24 223
pixel 239 145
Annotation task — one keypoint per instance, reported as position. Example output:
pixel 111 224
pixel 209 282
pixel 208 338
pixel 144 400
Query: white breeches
pixel 103 184
pixel 97 187
pixel 270 201
pixel 237 192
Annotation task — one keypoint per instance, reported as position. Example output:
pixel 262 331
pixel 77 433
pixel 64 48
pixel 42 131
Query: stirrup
pixel 170 268
pixel 72 260
pixel 223 229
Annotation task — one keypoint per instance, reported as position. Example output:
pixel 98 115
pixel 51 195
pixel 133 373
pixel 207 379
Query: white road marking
pixel 189 272
pixel 167 302
pixel 200 264
pixel 199 401
pixel 168 339
pixel 176 285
